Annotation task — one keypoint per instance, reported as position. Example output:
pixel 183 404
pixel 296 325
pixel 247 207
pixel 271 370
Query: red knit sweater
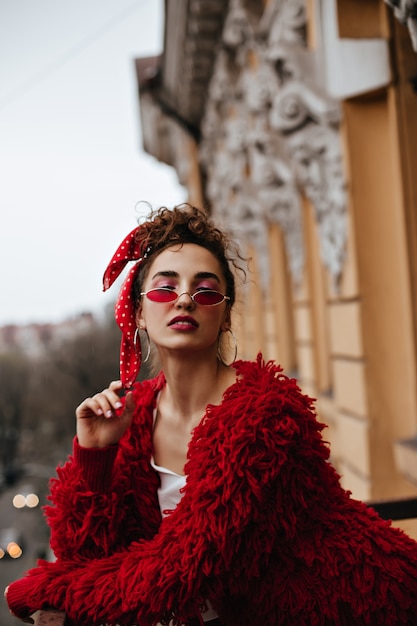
pixel 264 530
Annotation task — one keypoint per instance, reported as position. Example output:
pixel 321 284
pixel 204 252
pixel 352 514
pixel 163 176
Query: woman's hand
pixel 99 421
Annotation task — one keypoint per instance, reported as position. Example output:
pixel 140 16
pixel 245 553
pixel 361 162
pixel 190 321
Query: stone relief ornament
pixel 271 135
pixel 406 12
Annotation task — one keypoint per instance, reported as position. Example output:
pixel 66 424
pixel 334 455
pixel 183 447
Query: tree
pixel 39 394
pixel 14 368
pixel 70 371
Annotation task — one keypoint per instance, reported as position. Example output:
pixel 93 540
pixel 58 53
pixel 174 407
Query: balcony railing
pixel 49 618
pixel 396 510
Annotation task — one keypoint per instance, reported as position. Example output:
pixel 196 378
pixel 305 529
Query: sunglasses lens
pixel 208 298
pixel 161 295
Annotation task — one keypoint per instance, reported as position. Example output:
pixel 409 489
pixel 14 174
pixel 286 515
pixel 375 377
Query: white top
pixel 169 492
pixel 169 495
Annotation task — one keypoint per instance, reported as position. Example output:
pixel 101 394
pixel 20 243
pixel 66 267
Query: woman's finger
pixel 104 403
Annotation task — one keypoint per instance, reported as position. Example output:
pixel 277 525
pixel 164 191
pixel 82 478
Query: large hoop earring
pixel 137 344
pixel 219 356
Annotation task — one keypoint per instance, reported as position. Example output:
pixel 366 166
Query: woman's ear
pixel 227 322
pixel 140 322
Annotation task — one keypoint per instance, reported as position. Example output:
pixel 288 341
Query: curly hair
pixel 185 224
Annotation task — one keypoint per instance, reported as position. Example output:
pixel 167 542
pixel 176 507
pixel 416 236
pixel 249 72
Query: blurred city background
pixel 73 170
pixel 294 123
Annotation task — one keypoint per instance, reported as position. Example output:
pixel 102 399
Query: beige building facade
pixel 295 124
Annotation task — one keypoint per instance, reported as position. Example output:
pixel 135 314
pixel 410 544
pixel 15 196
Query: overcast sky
pixel 72 167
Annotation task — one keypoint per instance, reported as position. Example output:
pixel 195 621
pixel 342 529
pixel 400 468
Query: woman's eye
pixel 205 288
pixel 170 287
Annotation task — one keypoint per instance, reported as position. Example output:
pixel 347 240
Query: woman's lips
pixel 183 323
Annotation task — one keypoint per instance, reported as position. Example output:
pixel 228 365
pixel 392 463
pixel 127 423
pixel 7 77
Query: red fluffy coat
pixel 264 530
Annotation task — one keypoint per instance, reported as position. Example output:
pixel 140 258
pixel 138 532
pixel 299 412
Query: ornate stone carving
pixel 406 12
pixel 270 134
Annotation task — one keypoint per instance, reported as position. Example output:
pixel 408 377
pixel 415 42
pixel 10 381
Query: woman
pixel 205 494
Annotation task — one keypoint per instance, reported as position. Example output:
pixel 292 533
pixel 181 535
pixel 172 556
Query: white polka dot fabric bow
pixel 130 352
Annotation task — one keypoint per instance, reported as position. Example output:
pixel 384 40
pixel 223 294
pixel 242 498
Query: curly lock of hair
pixel 185 223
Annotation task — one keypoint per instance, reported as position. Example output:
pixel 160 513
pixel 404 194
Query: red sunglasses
pixel 205 297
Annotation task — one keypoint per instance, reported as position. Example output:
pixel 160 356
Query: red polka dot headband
pixel 130 351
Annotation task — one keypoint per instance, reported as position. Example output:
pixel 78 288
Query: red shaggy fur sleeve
pixel 104 499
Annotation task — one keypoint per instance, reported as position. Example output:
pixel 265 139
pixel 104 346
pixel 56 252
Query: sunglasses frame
pixel 177 295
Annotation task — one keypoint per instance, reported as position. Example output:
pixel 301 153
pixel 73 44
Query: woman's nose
pixel 185 299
